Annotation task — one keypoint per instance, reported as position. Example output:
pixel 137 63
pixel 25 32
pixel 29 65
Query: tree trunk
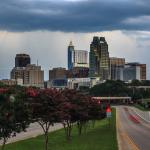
pixel 68 128
pixel 85 126
pixel 79 128
pixel 93 123
pixel 45 127
pixel 46 140
pixel 4 143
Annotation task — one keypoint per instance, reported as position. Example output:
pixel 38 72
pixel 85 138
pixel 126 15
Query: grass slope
pixel 101 137
pixel 141 107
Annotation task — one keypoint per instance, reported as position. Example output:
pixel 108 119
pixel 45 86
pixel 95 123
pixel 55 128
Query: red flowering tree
pixel 82 102
pixel 95 110
pixel 78 108
pixel 70 109
pixel 46 108
pixel 13 117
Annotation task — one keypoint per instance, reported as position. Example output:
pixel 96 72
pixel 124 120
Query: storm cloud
pixel 74 16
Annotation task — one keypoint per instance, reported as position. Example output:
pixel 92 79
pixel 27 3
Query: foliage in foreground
pixel 45 106
pixel 101 137
pixel 14 115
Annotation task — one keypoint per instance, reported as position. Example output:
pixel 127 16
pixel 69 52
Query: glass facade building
pixel 76 58
pixel 70 55
pixel 99 59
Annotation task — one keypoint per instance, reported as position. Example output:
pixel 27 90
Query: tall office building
pixel 115 65
pixel 99 59
pixel 80 58
pixel 70 55
pixel 25 73
pixel 76 58
pixel 22 60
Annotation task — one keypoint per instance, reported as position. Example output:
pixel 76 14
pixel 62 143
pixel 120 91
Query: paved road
pixel 134 132
pixel 33 131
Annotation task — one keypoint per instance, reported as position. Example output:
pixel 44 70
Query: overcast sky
pixel 44 28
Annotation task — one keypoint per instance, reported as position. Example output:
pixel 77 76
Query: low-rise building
pixel 76 83
pixel 131 71
pixel 57 73
pixel 115 64
pixel 31 75
pixel 9 82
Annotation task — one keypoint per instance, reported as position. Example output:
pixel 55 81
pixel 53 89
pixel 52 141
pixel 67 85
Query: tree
pixel 95 110
pixel 110 88
pixel 82 111
pixel 69 109
pixel 145 82
pixel 46 108
pixel 14 116
pixel 135 83
pixel 78 108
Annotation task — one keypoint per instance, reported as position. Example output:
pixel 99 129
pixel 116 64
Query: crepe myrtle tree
pixel 73 110
pixel 68 117
pixel 46 108
pixel 95 110
pixel 14 116
pixel 83 117
pixel 78 108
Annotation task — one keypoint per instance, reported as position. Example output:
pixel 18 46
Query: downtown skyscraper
pixel 99 59
pixel 76 58
pixel 70 55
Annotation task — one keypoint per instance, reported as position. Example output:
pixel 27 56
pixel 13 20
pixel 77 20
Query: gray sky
pixel 43 29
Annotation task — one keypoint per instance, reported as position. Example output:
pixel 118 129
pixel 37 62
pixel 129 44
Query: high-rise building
pixel 99 59
pixel 115 64
pixel 80 58
pixel 22 60
pixel 25 73
pixel 70 55
pixel 76 58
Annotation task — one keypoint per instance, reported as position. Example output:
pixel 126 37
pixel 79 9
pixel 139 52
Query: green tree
pixel 135 83
pixel 110 88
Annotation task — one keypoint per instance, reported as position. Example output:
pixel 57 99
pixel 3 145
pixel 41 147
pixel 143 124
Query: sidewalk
pixel 33 131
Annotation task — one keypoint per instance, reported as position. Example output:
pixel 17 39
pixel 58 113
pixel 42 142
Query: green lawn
pixel 101 137
pixel 141 107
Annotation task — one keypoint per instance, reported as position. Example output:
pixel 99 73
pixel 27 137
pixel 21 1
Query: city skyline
pixel 43 29
pixel 50 67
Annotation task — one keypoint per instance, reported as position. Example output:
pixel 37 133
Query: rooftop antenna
pixel 71 43
pixel 37 62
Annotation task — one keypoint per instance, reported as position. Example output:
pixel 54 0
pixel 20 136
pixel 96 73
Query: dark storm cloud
pixel 80 16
